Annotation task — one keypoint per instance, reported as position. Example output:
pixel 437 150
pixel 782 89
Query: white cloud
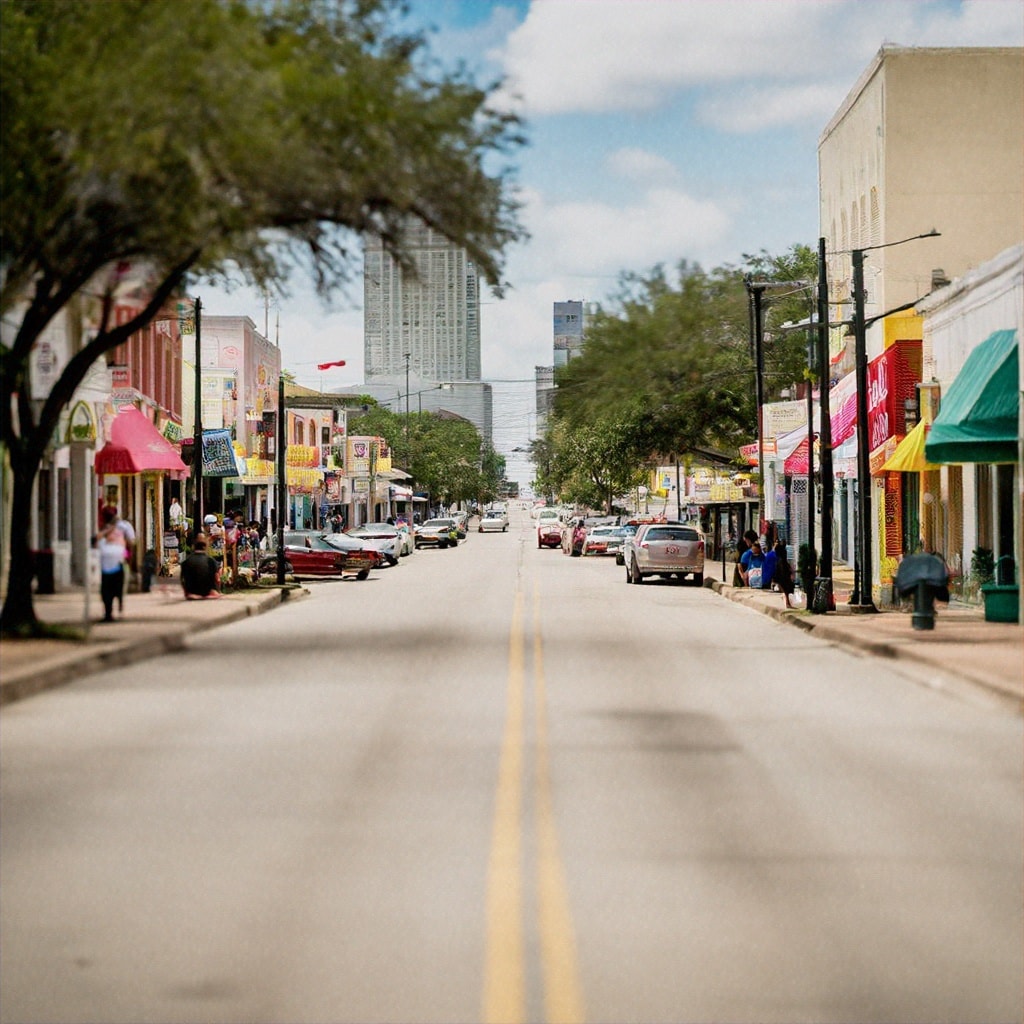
pixel 642 166
pixel 758 109
pixel 604 56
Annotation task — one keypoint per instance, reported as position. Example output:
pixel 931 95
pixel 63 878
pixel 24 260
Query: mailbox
pixel 926 577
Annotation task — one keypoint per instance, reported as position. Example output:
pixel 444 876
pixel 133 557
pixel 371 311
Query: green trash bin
pixel 1002 597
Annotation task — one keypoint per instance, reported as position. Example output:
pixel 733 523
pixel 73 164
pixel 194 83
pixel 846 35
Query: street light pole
pixel 197 426
pixel 861 598
pixel 282 478
pixel 756 292
pixel 825 429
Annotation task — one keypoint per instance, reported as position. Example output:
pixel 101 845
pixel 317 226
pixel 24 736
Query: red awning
pixel 136 446
pixel 798 461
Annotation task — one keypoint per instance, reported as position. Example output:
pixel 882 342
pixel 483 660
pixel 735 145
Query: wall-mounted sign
pixel 81 424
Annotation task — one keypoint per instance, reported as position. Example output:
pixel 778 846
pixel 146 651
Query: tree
pixel 222 140
pixel 675 361
pixel 595 461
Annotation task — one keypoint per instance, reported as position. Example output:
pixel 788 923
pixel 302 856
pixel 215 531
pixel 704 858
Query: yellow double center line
pixel 504 998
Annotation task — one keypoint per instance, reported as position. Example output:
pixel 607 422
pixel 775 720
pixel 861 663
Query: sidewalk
pixel 154 623
pixel 962 650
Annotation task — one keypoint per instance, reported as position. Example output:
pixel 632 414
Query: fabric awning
pixel 909 456
pixel 136 446
pixel 797 462
pixel 977 420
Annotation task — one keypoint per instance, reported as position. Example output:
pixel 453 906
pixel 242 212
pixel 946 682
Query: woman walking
pixel 112 547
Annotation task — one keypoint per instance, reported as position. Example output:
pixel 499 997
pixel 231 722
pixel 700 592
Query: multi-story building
pixel 927 138
pixel 239 387
pixel 427 324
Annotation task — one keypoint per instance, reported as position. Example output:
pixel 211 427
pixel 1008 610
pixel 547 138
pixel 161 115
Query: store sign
pixel 892 378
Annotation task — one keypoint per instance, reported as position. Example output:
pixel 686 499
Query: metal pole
pixel 810 445
pixel 197 427
pixel 861 599
pixel 758 292
pixel 282 481
pixel 679 494
pixel 825 432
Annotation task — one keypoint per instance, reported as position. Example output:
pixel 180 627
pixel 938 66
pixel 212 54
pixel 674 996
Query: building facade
pixel 427 324
pixel 927 138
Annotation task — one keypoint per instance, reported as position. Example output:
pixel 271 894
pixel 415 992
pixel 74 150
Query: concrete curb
pixel 62 662
pixel 906 650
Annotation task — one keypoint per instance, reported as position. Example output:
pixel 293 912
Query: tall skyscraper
pixel 568 330
pixel 434 317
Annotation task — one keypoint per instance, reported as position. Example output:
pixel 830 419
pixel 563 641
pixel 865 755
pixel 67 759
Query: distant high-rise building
pixel 434 316
pixel 568 331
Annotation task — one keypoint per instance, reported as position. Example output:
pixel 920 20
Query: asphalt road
pixel 496 783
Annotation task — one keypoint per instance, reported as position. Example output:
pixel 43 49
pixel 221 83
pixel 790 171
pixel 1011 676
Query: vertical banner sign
pixel 218 455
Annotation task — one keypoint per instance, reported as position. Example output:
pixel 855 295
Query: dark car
pixel 312 553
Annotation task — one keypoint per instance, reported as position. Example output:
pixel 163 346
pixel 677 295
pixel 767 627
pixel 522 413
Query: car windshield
pixel 434 523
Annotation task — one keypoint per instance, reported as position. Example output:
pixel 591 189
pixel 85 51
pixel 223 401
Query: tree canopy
pixel 668 370
pixel 163 144
pixel 444 455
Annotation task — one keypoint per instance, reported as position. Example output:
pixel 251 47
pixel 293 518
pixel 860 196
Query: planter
pixel 1002 602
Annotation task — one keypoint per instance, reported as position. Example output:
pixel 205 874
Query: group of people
pixel 764 570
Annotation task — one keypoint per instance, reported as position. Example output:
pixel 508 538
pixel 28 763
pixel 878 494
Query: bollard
pixel 148 570
pixel 924 606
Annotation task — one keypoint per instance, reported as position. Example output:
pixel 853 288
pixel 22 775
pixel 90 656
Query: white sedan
pixel 493 521
pixel 389 540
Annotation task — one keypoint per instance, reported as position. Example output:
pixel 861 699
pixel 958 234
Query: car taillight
pixel 700 546
pixel 644 544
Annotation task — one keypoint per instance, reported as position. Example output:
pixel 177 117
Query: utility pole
pixel 756 292
pixel 282 477
pixel 861 599
pixel 825 431
pixel 197 426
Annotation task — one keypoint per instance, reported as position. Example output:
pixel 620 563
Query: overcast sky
pixel 660 131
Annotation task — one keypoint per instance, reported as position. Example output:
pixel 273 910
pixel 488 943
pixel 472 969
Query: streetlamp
pixel 861 598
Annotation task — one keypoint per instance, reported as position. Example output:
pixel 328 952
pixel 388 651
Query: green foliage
pixel 148 145
pixel 983 565
pixel 675 359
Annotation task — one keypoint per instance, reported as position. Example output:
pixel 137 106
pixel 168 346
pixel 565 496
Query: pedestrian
pixel 779 572
pixel 176 517
pixel 752 566
pixel 200 574
pixel 111 544
pixel 128 532
pixel 742 545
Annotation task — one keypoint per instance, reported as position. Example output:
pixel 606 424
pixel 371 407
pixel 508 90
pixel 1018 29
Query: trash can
pixel 822 601
pixel 42 569
pixel 149 566
pixel 1002 597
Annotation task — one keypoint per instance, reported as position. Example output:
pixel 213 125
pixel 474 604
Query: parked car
pixel 604 540
pixel 442 533
pixel 628 530
pixel 384 537
pixel 669 550
pixel 313 553
pixel 359 553
pixel 549 532
pixel 493 521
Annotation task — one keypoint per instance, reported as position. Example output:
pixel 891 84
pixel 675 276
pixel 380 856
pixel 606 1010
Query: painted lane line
pixel 563 994
pixel 504 999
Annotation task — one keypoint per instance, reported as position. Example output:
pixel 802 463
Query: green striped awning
pixel 977 420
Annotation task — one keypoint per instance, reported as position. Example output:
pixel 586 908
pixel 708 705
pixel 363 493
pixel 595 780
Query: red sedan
pixel 549 533
pixel 312 553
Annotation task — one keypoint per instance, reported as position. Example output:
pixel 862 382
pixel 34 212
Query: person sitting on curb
pixel 200 574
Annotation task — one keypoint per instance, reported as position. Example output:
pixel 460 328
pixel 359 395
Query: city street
pixel 496 783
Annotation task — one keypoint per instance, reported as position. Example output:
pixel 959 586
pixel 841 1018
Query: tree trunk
pixel 18 615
